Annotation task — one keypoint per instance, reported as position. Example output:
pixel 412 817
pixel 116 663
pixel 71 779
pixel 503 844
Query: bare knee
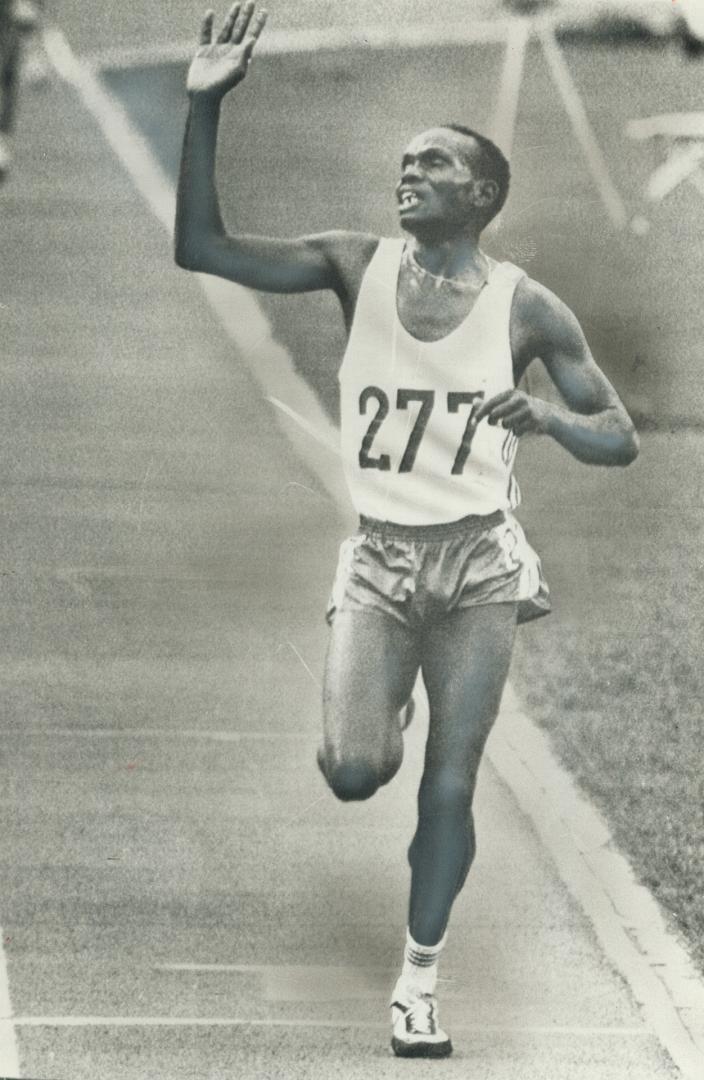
pixel 446 791
pixel 354 780
pixel 351 781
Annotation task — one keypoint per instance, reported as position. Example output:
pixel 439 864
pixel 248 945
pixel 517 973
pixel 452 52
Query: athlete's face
pixel 438 190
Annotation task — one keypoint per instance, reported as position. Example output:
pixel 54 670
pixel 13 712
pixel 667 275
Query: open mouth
pixel 408 200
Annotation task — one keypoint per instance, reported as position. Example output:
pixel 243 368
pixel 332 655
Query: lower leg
pixel 441 852
pixel 465 664
pixel 465 661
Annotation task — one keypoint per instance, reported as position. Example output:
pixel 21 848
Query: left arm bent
pixel 595 426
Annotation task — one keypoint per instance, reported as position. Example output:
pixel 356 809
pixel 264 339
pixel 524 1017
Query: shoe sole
pixel 420 1049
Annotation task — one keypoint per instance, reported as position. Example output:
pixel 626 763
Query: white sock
pixel 420 964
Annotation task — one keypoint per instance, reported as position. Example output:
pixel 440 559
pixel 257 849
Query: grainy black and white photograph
pixel 351 572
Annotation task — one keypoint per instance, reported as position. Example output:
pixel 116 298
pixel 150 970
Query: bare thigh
pixel 370 670
pixel 466 659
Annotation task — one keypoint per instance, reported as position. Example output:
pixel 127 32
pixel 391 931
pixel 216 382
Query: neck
pixel 458 257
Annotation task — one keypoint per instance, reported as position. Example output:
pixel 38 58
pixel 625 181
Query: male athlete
pixel 10 55
pixel 19 21
pixel 439 573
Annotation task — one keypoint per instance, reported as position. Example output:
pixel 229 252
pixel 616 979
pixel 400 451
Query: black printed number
pixel 454 400
pixel 366 461
pixel 426 398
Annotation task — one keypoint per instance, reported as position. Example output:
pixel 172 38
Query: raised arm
pixel 595 426
pixel 201 240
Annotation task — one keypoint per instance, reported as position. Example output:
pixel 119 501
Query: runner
pixel 30 15
pixel 19 19
pixel 10 53
pixel 439 573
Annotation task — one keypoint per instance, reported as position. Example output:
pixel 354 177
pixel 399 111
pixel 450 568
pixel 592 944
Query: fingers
pixel 226 32
pixel 241 23
pixel 488 406
pixel 511 410
pixel 519 423
pixel 206 28
pixel 507 409
pixel 255 28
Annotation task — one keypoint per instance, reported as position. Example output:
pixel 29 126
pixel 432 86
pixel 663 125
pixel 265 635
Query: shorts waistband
pixel 394 530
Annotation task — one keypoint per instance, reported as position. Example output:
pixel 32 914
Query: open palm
pixel 221 63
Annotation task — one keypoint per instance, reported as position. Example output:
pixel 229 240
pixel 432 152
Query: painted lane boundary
pixel 9 1058
pixel 293 1022
pixel 236 308
pixel 626 918
pixel 624 915
pixel 291 42
pixel 598 18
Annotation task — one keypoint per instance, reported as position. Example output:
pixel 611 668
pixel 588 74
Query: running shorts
pixel 420 573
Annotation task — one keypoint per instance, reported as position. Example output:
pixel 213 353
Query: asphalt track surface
pixel 165 565
pixel 621 548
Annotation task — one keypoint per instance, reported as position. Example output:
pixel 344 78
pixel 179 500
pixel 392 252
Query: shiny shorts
pixel 420 573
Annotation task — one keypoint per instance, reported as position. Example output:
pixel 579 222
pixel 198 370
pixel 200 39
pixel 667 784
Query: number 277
pixel 426 398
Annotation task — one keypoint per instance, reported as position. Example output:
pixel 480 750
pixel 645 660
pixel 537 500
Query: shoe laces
pixel 422 1013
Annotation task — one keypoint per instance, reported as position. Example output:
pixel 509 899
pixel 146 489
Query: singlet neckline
pixel 494 266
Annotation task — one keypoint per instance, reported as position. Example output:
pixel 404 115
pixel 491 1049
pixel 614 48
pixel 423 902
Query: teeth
pixel 408 199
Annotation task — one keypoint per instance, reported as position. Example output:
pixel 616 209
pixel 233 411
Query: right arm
pixel 201 241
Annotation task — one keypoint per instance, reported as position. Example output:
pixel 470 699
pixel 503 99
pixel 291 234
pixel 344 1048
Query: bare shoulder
pixel 537 309
pixel 542 324
pixel 348 252
pixel 349 255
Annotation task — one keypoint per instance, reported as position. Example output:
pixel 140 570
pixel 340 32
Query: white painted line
pixel 276 1022
pixel 9 1058
pixel 183 1021
pixel 570 829
pixel 503 125
pixel 682 163
pixel 625 917
pixel 265 969
pixel 574 107
pixel 689 125
pixel 128 143
pixel 320 436
pixel 236 307
pixel 413 36
pixel 697 181
pixel 323 39
pixel 152 733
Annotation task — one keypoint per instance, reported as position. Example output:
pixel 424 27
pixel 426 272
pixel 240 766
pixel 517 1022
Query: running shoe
pixel 416 1030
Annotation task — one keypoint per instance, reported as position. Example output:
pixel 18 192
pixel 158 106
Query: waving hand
pixel 221 63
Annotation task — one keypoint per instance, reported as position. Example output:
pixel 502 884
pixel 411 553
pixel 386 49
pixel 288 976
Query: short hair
pixel 491 164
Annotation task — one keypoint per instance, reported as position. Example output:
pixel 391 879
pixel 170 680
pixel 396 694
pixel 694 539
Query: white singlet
pixel 411 451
